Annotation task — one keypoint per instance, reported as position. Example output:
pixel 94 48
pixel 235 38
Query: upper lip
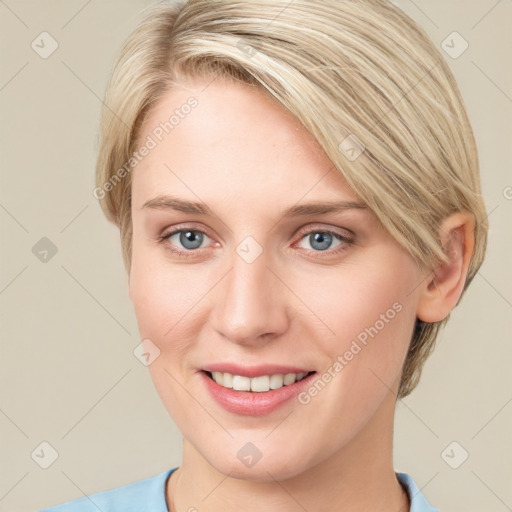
pixel 255 370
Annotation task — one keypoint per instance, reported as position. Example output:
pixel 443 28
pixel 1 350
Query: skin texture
pixel 248 159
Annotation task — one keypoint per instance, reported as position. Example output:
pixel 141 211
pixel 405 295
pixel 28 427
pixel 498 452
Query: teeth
pixel 228 380
pixel 259 384
pixel 289 378
pixel 276 381
pixel 241 383
pixel 218 377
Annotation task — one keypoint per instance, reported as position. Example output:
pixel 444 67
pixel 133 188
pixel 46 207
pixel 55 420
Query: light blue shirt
pixel 148 495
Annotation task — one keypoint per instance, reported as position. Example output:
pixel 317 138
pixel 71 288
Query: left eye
pixel 321 240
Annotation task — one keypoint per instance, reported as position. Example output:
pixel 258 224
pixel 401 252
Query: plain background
pixel 68 373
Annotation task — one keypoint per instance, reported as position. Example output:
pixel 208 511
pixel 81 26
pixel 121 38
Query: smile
pixel 259 384
pixel 255 390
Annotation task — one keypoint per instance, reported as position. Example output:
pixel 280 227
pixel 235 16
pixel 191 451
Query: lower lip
pixel 250 403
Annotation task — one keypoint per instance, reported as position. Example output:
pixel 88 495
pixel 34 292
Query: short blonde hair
pixel 358 74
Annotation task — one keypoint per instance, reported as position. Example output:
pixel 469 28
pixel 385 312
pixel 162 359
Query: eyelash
pixel 346 241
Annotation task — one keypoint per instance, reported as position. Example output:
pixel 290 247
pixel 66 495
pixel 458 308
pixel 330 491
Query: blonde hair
pixel 358 74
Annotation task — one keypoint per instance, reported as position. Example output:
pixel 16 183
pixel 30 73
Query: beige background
pixel 67 372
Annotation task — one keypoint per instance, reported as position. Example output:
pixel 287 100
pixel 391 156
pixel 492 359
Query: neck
pixel 358 477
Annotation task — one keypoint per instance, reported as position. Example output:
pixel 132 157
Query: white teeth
pixel 276 381
pixel 289 378
pixel 259 384
pixel 240 383
pixel 228 380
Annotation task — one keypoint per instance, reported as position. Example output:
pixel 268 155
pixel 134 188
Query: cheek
pixel 367 314
pixel 372 317
pixel 163 295
pixel 163 298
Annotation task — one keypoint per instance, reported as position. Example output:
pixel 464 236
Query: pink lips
pixel 249 403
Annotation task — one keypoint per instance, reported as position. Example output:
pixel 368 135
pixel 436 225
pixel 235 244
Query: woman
pixel 297 190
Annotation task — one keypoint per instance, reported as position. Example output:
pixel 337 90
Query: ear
pixel 443 288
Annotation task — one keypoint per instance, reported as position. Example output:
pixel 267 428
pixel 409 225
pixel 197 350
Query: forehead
pixel 237 141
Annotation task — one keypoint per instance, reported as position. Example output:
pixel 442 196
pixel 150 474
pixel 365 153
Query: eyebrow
pixel 166 202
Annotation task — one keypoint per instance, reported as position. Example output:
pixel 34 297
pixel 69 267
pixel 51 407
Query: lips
pixel 254 390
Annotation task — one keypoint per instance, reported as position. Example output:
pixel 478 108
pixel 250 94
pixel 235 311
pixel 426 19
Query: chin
pixel 260 472
pixel 274 463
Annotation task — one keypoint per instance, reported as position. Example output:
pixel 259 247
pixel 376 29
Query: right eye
pixel 187 240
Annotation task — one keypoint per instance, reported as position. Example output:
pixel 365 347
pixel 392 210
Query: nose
pixel 250 303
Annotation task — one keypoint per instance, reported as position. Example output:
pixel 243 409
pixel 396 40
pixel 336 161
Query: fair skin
pixel 248 160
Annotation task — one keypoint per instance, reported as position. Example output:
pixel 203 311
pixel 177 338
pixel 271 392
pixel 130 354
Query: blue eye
pixel 322 240
pixel 190 239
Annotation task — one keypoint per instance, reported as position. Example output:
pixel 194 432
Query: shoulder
pixel 418 502
pixel 146 494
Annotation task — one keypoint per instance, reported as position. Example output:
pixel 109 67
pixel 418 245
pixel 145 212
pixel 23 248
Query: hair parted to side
pixel 358 68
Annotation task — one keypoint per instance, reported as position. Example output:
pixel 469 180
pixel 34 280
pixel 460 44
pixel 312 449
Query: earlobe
pixel 444 286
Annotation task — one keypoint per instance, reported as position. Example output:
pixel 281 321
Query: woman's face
pixel 262 284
